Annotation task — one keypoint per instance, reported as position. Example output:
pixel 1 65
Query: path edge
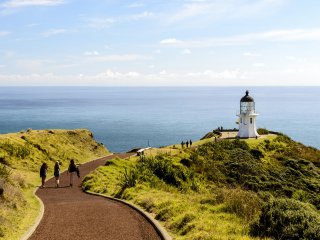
pixel 159 229
pixel 32 229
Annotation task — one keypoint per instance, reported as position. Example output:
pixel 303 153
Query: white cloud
pixel 259 64
pixel 227 9
pixel 29 3
pixel 2 66
pixel 307 75
pixel 53 32
pixel 286 35
pixel 119 58
pixel 186 51
pixel 91 53
pixel 31 25
pixel 100 23
pixel 106 22
pixel 190 10
pixel 113 74
pixel 135 5
pixel 4 33
pixel 250 54
pixel 170 41
pixel 7 53
pixel 32 65
pixel 291 58
pixel 139 16
pixel 226 74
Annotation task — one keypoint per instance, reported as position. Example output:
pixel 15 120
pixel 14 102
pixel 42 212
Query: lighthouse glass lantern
pixel 247 117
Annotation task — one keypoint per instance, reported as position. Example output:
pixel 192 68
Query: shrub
pixel 128 179
pixel 164 169
pixel 262 131
pixel 287 219
pixel 16 150
pixel 5 172
pixel 244 204
pixel 186 162
pixel 256 153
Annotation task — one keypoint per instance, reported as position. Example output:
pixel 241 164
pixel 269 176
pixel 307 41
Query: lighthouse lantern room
pixel 247 118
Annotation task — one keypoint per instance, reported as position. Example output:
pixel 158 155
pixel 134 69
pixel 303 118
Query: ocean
pixel 123 118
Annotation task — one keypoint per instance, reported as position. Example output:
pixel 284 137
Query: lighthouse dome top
pixel 247 98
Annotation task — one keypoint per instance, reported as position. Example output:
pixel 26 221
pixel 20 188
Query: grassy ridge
pixel 21 155
pixel 223 190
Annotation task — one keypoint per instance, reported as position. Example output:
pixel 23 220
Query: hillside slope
pixel 230 189
pixel 21 155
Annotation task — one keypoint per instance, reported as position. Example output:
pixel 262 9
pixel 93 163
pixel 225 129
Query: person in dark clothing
pixel 190 142
pixel 182 144
pixel 72 170
pixel 56 172
pixel 187 144
pixel 43 173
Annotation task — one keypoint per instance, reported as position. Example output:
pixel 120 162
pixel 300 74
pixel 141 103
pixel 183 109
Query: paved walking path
pixel 72 214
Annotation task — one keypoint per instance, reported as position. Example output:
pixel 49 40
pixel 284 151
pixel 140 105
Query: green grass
pixel 22 155
pixel 217 190
pixel 185 214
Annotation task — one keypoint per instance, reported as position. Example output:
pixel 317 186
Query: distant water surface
pixel 123 118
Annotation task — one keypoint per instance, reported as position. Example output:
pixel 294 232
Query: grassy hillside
pixel 21 155
pixel 267 188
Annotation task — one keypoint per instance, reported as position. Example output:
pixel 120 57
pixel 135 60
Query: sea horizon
pixel 125 117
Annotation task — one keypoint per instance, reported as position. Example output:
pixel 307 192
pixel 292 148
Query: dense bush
pixel 16 150
pixel 262 131
pixel 155 169
pixel 256 153
pixel 5 172
pixel 244 204
pixel 287 219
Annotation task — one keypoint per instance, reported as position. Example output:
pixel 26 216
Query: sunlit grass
pixel 23 153
pixel 216 190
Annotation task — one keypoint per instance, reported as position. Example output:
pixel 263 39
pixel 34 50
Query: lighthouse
pixel 247 118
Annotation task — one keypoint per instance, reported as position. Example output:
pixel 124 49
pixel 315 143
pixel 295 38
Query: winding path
pixel 72 214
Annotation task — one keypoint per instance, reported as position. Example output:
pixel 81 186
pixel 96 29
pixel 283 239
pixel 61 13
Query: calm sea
pixel 123 118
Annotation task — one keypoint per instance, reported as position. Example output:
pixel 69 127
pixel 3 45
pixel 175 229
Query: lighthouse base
pixel 247 133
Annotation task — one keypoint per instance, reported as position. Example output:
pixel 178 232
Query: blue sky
pixel 160 42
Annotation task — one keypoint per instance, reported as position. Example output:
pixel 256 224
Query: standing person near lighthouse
pixel 247 118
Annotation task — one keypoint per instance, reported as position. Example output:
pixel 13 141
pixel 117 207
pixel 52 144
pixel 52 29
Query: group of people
pixel 72 170
pixel 187 143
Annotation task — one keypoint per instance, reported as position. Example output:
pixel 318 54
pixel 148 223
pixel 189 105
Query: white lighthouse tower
pixel 247 118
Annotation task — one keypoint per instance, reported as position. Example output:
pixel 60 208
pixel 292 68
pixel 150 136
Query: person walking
pixel 56 172
pixel 190 142
pixel 43 173
pixel 72 169
pixel 187 144
pixel 182 144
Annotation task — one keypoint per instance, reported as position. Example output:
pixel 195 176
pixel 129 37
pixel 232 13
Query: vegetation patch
pixel 287 219
pixel 21 155
pixel 229 189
